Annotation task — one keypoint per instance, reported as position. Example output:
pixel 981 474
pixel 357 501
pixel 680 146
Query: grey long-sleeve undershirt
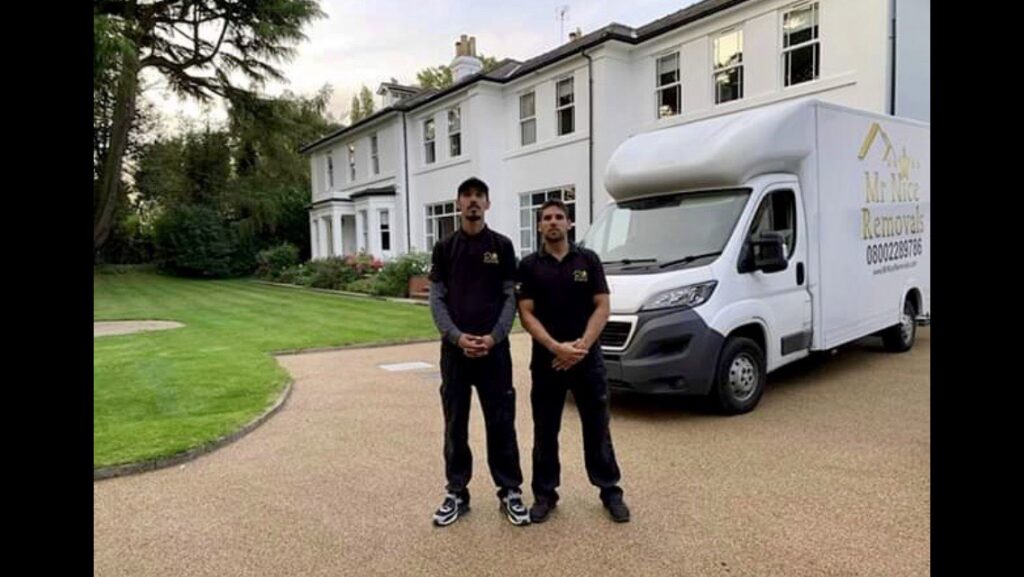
pixel 451 333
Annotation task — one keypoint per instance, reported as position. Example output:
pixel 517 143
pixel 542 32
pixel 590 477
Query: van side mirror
pixel 766 252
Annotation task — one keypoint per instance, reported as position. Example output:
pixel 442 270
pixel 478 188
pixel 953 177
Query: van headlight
pixel 688 296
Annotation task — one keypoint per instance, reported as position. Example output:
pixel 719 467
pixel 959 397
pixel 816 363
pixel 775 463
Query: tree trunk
pixel 124 112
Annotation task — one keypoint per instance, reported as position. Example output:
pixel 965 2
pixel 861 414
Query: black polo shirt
pixel 562 293
pixel 474 269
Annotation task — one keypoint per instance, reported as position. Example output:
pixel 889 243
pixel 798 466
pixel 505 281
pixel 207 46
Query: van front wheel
pixel 900 338
pixel 739 380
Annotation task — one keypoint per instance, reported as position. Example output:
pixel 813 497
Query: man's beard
pixel 554 235
pixel 472 217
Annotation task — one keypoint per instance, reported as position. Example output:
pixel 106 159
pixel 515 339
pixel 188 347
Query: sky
pixel 363 42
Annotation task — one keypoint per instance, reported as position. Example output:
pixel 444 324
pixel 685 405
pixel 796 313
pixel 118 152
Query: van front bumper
pixel 667 352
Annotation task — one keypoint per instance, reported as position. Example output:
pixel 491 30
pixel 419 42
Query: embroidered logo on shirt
pixel 490 258
pixel 579 275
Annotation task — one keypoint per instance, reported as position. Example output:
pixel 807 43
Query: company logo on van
pixel 892 197
pixel 874 132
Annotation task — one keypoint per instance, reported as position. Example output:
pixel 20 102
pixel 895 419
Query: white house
pixel 545 128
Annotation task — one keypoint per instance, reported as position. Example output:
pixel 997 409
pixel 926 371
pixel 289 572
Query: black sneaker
pixel 450 509
pixel 541 509
pixel 514 509
pixel 617 509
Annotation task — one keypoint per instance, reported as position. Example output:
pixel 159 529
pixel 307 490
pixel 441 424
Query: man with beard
pixel 564 305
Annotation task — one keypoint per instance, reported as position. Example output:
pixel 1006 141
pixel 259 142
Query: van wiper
pixel 629 261
pixel 687 259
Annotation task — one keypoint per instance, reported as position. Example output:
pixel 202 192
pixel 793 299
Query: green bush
pixel 298 275
pixel 270 263
pixel 193 240
pixel 357 273
pixel 121 268
pixel 331 273
pixel 364 264
pixel 393 279
pixel 366 285
pixel 130 242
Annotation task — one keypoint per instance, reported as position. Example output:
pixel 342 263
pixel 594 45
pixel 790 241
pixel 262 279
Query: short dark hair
pixel 556 203
pixel 471 183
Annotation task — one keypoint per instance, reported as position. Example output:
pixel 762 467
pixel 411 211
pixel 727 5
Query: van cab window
pixel 777 213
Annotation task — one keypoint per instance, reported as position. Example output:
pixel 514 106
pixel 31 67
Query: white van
pixel 739 244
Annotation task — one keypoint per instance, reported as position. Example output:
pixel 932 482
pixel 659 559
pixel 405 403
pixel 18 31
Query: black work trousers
pixel 492 377
pixel 589 385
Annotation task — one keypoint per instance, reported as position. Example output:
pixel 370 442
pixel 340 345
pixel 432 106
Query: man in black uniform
pixel 564 305
pixel 473 302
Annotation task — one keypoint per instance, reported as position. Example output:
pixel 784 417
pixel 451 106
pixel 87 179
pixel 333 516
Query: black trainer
pixel 541 509
pixel 450 509
pixel 617 509
pixel 514 509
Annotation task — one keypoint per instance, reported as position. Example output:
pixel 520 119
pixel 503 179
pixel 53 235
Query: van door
pixel 785 292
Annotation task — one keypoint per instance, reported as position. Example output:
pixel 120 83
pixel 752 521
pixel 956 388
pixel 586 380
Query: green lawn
pixel 161 393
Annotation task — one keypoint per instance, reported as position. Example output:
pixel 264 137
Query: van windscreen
pixel 667 228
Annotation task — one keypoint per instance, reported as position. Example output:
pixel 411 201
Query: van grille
pixel 615 334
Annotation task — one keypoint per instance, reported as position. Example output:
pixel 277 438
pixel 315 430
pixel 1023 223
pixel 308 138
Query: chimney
pixel 466 62
pixel 576 35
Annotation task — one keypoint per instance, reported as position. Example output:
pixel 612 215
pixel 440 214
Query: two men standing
pixel 563 303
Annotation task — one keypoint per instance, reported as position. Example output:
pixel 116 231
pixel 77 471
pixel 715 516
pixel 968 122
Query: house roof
pixel 508 70
pixel 397 88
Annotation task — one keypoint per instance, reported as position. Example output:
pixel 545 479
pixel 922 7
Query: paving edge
pixel 196 452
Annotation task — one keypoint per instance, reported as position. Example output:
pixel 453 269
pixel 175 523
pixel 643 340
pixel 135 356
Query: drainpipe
pixel 590 135
pixel 405 164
